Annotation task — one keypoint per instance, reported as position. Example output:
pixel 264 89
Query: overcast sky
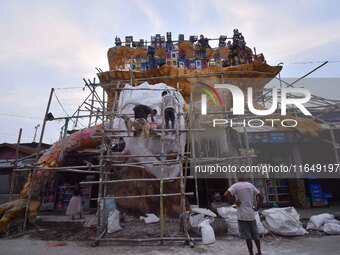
pixel 45 44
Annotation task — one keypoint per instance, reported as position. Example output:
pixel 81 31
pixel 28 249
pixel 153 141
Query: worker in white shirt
pixel 243 193
pixel 168 105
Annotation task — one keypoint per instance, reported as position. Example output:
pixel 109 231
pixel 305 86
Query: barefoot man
pixel 244 193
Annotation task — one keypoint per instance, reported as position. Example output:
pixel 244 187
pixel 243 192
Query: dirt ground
pixel 306 245
pixel 60 231
pixel 72 237
pixel 132 228
pixel 77 231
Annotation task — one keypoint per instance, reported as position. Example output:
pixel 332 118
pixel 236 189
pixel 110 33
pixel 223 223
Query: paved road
pixel 307 245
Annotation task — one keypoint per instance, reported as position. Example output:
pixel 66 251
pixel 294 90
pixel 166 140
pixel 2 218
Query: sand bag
pixel 113 222
pixel 261 229
pixel 200 214
pixel 195 219
pixel 318 220
pixel 224 212
pixel 110 206
pixel 232 226
pixel 230 216
pixel 151 218
pixel 332 228
pixel 207 232
pixel 283 221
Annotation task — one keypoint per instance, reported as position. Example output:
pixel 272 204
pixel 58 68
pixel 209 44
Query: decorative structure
pixel 179 65
pixel 192 54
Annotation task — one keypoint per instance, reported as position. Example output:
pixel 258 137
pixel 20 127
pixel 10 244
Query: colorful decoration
pixel 192 54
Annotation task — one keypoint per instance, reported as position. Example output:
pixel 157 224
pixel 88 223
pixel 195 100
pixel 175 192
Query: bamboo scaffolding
pixel 100 189
pixel 165 130
pixel 183 219
pixel 67 167
pixel 133 180
pixel 142 156
pixel 79 171
pixel 153 195
pixel 13 177
pixel 147 239
pixel 27 157
pixel 97 113
pixel 161 201
pixel 22 170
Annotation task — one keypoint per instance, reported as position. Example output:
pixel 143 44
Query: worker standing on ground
pixel 169 109
pixel 142 112
pixel 243 193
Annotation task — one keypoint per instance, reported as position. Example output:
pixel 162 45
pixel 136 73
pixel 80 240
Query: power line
pixel 62 107
pixel 23 136
pixel 315 62
pixel 4 133
pixel 69 88
pixel 20 116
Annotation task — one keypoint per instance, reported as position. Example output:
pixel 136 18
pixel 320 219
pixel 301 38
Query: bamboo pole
pixel 91 109
pixel 37 157
pixel 153 195
pixel 67 167
pixel 13 178
pixel 108 143
pixel 166 130
pixel 161 202
pixel 132 180
pixel 99 238
pixel 79 171
pixel 100 188
pixel 29 156
pixel 168 162
pixel 148 239
pixel 183 221
pixel 141 156
pixel 22 170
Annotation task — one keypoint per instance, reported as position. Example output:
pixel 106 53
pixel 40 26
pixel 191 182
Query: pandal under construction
pixel 145 166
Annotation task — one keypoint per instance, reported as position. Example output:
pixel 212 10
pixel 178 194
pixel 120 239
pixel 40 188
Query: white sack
pixel 320 219
pixel 311 226
pixel 195 219
pixel 113 222
pixel 110 206
pixel 207 232
pixel 200 214
pixel 151 218
pixel 332 228
pixel 232 226
pixel 225 212
pixel 204 211
pixel 230 216
pixel 283 221
pixel 260 228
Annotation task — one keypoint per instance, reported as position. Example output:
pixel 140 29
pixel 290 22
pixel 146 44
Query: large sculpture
pixel 88 138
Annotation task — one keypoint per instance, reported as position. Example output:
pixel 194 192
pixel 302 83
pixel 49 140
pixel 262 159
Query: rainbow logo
pixel 212 92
